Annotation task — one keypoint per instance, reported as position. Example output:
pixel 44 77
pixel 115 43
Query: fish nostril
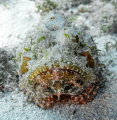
pixel 79 82
pixel 66 88
pixel 49 89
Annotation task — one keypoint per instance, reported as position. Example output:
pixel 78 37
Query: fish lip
pixel 70 68
pixel 59 97
pixel 59 69
pixel 61 94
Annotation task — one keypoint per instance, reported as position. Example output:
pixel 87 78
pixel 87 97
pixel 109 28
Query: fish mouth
pixel 60 84
pixel 87 95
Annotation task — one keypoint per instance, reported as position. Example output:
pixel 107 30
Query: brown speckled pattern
pixel 61 84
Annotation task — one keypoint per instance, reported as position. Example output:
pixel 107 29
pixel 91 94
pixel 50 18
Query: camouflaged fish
pixel 58 63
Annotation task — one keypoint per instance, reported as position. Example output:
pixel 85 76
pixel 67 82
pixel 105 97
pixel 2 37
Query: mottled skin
pixel 64 85
pixel 70 76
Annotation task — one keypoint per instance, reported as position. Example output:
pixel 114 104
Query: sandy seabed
pixel 16 19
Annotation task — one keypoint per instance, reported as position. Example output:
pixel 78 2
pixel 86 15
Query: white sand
pixel 16 19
